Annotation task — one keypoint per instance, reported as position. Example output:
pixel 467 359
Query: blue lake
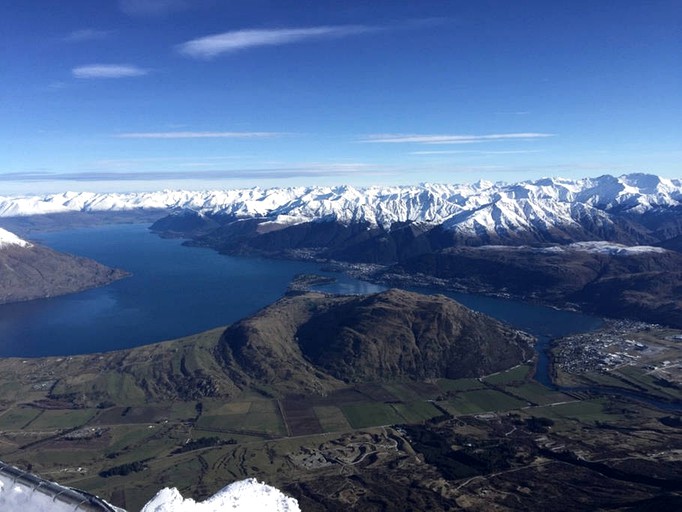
pixel 176 290
pixel 173 291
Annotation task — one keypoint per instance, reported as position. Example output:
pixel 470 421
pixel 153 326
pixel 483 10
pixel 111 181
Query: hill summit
pixel 314 341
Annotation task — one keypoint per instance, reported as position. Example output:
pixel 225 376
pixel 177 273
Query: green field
pixel 371 414
pixel 128 437
pixel 17 417
pixel 331 418
pixel 584 410
pixel 537 393
pixel 62 419
pixel 404 391
pixel 460 384
pixel 649 382
pixel 222 408
pixel 518 374
pixel 417 411
pixel 258 416
pixel 56 458
pixel 485 400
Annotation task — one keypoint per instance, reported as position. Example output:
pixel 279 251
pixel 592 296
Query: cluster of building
pixel 603 350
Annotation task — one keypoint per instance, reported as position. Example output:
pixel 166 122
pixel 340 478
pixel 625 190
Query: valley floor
pixel 502 442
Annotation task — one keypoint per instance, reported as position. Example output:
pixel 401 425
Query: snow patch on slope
pixel 7 238
pixel 595 247
pixel 614 249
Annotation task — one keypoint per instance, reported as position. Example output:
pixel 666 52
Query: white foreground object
pixel 242 496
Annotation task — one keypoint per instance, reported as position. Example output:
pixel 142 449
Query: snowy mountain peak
pixel 648 183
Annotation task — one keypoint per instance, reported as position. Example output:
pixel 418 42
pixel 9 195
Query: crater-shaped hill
pixel 313 341
pixel 29 271
pixel 304 343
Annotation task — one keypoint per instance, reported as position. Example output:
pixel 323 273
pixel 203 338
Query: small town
pixel 622 343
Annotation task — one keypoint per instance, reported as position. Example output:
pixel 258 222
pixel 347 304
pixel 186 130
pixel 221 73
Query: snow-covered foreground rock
pixel 243 496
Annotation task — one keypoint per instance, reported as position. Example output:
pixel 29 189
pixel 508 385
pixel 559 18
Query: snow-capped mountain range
pixel 545 204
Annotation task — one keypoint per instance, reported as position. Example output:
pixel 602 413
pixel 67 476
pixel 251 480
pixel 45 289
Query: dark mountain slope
pixel 262 349
pixel 255 236
pixel 314 342
pixel 368 243
pixel 34 272
pixel 651 296
pixel 184 223
pixel 623 283
pixel 399 334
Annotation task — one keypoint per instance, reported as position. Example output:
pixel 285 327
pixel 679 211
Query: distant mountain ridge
pixel 388 225
pixel 467 207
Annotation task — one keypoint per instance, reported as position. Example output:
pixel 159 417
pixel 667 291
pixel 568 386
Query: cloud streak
pixel 152 7
pixel 198 135
pixel 211 46
pixel 88 34
pixel 474 152
pixel 108 71
pixel 388 138
pixel 284 172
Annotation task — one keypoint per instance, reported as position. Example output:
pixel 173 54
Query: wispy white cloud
pixel 310 170
pixel 165 162
pixel 198 135
pixel 57 85
pixel 87 34
pixel 228 42
pixel 513 112
pixel 473 152
pixel 451 139
pixel 152 7
pixel 108 71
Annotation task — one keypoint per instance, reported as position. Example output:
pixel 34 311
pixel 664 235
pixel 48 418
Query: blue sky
pixel 123 95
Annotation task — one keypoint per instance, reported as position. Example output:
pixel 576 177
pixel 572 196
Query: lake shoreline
pixel 178 290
